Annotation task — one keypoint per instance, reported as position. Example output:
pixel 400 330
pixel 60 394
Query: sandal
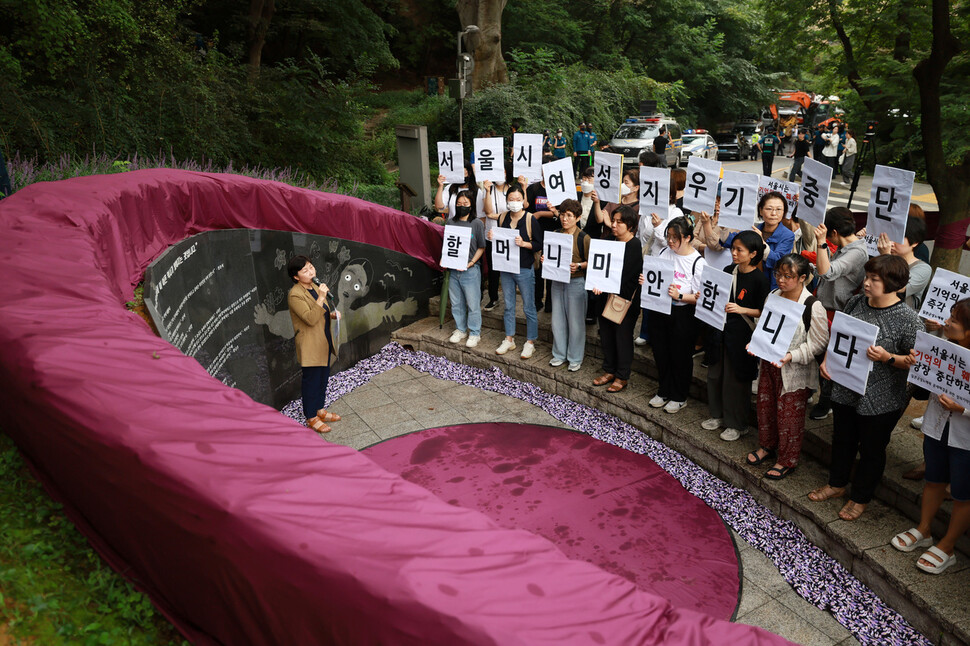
pixel 940 560
pixel 602 380
pixel 910 540
pixel 852 511
pixel 769 453
pixel 317 425
pixel 825 493
pixel 617 386
pixel 327 416
pixel 778 473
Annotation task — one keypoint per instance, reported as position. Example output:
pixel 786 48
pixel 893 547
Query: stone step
pixel 937 606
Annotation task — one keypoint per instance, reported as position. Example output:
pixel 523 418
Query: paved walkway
pixel 403 400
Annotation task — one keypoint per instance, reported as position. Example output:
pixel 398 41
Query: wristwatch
pixel 680 297
pixel 891 360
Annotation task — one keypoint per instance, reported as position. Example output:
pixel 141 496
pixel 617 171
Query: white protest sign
pixel 942 367
pixel 788 189
pixel 776 327
pixel 451 155
pixel 455 247
pixel 560 184
pixel 816 181
pixel 557 249
pixel 489 164
pixel 605 265
pixel 505 253
pixel 658 274
pixel 718 259
pixel 527 156
pixel 701 191
pixel 846 358
pixel 739 200
pixel 654 191
pixel 945 289
pixel 888 205
pixel 715 294
pixel 608 171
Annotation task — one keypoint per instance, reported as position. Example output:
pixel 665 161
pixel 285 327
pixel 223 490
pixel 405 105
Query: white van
pixel 636 135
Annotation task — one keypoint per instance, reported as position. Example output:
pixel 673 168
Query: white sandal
pixel 905 541
pixel 940 561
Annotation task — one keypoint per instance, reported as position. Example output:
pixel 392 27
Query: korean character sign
pixel 739 200
pixel 654 191
pixel 605 265
pixel 945 289
pixel 701 191
pixel 789 191
pixel 451 164
pixel 942 367
pixel 892 189
pixel 607 175
pixel 658 274
pixel 557 250
pixel 846 358
pixel 715 294
pixel 455 247
pixel 816 181
pixel 505 253
pixel 489 164
pixel 527 156
pixel 560 184
pixel 775 329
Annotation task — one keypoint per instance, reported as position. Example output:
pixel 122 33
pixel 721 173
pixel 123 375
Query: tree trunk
pixel 487 43
pixel 260 15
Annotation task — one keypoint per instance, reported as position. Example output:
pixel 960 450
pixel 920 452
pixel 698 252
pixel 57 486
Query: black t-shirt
pixel 768 144
pixel 660 144
pixel 526 256
pixel 536 196
pixel 817 145
pixel 751 290
pixel 802 147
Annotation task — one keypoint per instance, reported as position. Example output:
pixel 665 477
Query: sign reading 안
pixel 654 191
pixel 658 274
pixel 505 253
pixel 527 156
pixel 455 247
pixel 945 289
pixel 608 171
pixel 715 294
pixel 888 205
pixel 942 367
pixel 451 164
pixel 489 164
pixel 788 189
pixel 816 181
pixel 739 200
pixel 557 250
pixel 560 184
pixel 846 358
pixel 776 327
pixel 701 191
pixel 605 265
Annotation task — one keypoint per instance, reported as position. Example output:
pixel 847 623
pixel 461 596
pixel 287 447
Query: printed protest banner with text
pixel 715 294
pixel 557 250
pixel 658 274
pixel 605 265
pixel 527 156
pixel 775 329
pixel 505 253
pixel 789 191
pixel 846 358
pixel 816 182
pixel 654 191
pixel 889 198
pixel 489 164
pixel 945 289
pixel 560 184
pixel 942 367
pixel 702 178
pixel 608 171
pixel 739 200
pixel 451 161
pixel 455 247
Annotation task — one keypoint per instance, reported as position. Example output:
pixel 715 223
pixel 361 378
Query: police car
pixel 697 143
pixel 636 135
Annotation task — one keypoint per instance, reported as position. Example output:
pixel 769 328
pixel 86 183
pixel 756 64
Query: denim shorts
pixel 947 464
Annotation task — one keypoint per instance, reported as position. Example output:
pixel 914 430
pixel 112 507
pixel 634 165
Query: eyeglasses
pixel 781 276
pixel 777 209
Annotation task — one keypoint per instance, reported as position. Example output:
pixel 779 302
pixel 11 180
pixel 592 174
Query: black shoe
pixel 538 305
pixel 548 308
pixel 489 306
pixel 820 410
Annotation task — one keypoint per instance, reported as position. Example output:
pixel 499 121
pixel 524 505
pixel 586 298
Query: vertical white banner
pixel 557 249
pixel 715 294
pixel 816 181
pixel 607 168
pixel 489 164
pixel 702 178
pixel 654 191
pixel 846 358
pixel 889 198
pixel 945 289
pixel 775 329
pixel 605 265
pixel 451 161
pixel 560 183
pixel 718 259
pixel 527 156
pixel 658 274
pixel 943 367
pixel 455 247
pixel 739 200
pixel 505 253
pixel 788 190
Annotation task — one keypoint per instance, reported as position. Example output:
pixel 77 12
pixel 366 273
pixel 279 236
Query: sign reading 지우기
pixel 888 205
pixel 607 175
pixel 715 294
pixel 945 289
pixel 658 274
pixel 451 161
pixel 701 191
pixel 739 200
pixel 816 181
pixel 846 358
pixel 489 164
pixel 654 191
pixel 605 265
pixel 788 189
pixel 455 247
pixel 560 184
pixel 942 367
pixel 775 329
pixel 505 253
pixel 527 156
pixel 557 250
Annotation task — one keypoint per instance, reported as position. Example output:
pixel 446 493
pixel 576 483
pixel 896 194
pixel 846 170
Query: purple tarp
pixel 243 526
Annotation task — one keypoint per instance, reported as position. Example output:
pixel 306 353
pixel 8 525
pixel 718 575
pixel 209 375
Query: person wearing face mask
pixel 465 287
pixel 559 145
pixel 629 195
pixel 587 197
pixel 447 194
pixel 495 206
pixel 772 208
pixel 581 151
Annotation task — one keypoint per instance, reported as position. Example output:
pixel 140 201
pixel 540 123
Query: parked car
pixel 698 145
pixel 637 134
pixel 748 128
pixel 731 145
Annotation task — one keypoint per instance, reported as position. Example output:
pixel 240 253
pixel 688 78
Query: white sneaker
pixel 712 424
pixel 527 350
pixel 505 347
pixel 473 341
pixel 574 367
pixel 730 434
pixel 640 341
pixel 657 401
pixel 555 363
pixel 917 422
pixel 457 336
pixel 674 407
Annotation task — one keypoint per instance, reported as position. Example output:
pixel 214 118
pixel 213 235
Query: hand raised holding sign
pixel 884 245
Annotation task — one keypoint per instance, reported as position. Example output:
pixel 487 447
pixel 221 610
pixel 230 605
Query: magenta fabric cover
pixel 242 525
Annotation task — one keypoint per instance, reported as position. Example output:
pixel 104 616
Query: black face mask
pixel 462 211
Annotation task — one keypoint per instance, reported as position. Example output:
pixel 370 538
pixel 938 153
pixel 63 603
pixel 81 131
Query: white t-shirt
pixel 656 239
pixel 687 272
pixel 499 206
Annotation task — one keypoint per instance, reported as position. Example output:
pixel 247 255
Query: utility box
pixel 412 159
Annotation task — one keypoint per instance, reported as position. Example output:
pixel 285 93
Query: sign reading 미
pixel 942 367
pixel 605 265
pixel 846 359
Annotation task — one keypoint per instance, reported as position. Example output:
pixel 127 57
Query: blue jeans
pixel 526 282
pixel 465 292
pixel 569 320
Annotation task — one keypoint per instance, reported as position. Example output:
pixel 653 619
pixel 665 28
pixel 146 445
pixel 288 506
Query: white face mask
pixel 514 207
pixel 625 190
pixel 587 187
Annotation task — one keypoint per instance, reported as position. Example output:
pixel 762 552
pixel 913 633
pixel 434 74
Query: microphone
pixel 316 281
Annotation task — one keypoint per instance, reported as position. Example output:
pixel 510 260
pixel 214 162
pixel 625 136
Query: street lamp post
pixel 462 65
